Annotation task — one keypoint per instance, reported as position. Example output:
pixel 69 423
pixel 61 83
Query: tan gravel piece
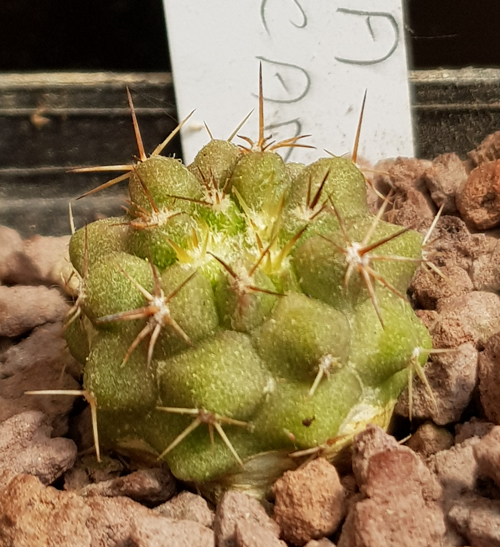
pixel 32 515
pixel 399 501
pixel 26 446
pixel 487 454
pixel 24 307
pixel 187 506
pixel 478 198
pixel 478 519
pixel 151 486
pixel 310 502
pixel 430 439
pixel 233 507
pixel 157 531
pixel 443 179
pixel 452 378
pixel 489 379
pixel 250 534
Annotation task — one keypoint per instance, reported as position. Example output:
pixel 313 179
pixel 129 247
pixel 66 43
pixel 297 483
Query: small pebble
pixel 26 446
pixel 478 199
pixel 310 502
pixel 187 506
pixel 23 307
pixel 429 439
pixel 235 506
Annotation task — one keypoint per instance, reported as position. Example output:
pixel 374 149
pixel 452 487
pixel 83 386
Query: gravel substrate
pixel 434 481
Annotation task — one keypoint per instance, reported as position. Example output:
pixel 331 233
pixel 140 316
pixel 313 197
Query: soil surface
pixel 433 481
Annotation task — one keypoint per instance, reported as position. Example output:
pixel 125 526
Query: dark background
pixel 129 35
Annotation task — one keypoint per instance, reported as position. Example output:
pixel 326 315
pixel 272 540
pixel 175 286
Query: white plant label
pixel 318 58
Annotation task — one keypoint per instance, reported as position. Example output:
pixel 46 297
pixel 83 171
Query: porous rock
pixel 452 378
pixel 411 208
pixel 323 542
pixel 456 468
pixel 26 446
pixel 411 202
pixel 443 178
pixel 399 501
pixel 310 502
pixel 451 244
pixel 11 248
pixel 429 439
pixel 428 317
pixel 187 506
pixel 478 198
pixel 475 427
pixel 368 443
pixel 487 454
pixel 47 260
pixel 24 307
pixel 472 317
pixel 428 287
pixel 152 486
pixel 457 471
pixel 485 271
pixel 488 150
pixel 489 378
pixel 399 173
pixel 250 534
pixel 32 515
pixel 44 343
pixel 40 361
pixel 478 519
pixel 38 260
pixel 233 507
pixel 111 520
pixel 157 531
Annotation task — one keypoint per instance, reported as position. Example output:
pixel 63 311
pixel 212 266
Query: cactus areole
pixel 244 314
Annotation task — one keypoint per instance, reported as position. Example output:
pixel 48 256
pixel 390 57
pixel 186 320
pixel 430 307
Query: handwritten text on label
pixel 317 58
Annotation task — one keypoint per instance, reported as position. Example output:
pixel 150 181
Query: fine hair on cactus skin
pixel 255 297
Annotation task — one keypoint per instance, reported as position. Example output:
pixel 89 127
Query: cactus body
pixel 242 308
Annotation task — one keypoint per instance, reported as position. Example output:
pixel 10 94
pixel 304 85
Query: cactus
pixel 244 313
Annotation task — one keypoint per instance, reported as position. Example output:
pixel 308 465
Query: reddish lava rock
pixel 26 446
pixel 452 378
pixel 427 287
pixel 250 534
pixel 443 179
pixel 489 378
pixel 399 504
pixel 235 507
pixel 430 439
pixel 488 150
pixel 32 515
pixel 155 485
pixel 310 502
pixel 157 531
pixel 187 506
pixel 11 248
pixel 411 204
pixel 24 308
pixel 487 454
pixel 478 199
pixel 478 519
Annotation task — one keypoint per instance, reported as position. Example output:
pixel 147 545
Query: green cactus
pixel 244 312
